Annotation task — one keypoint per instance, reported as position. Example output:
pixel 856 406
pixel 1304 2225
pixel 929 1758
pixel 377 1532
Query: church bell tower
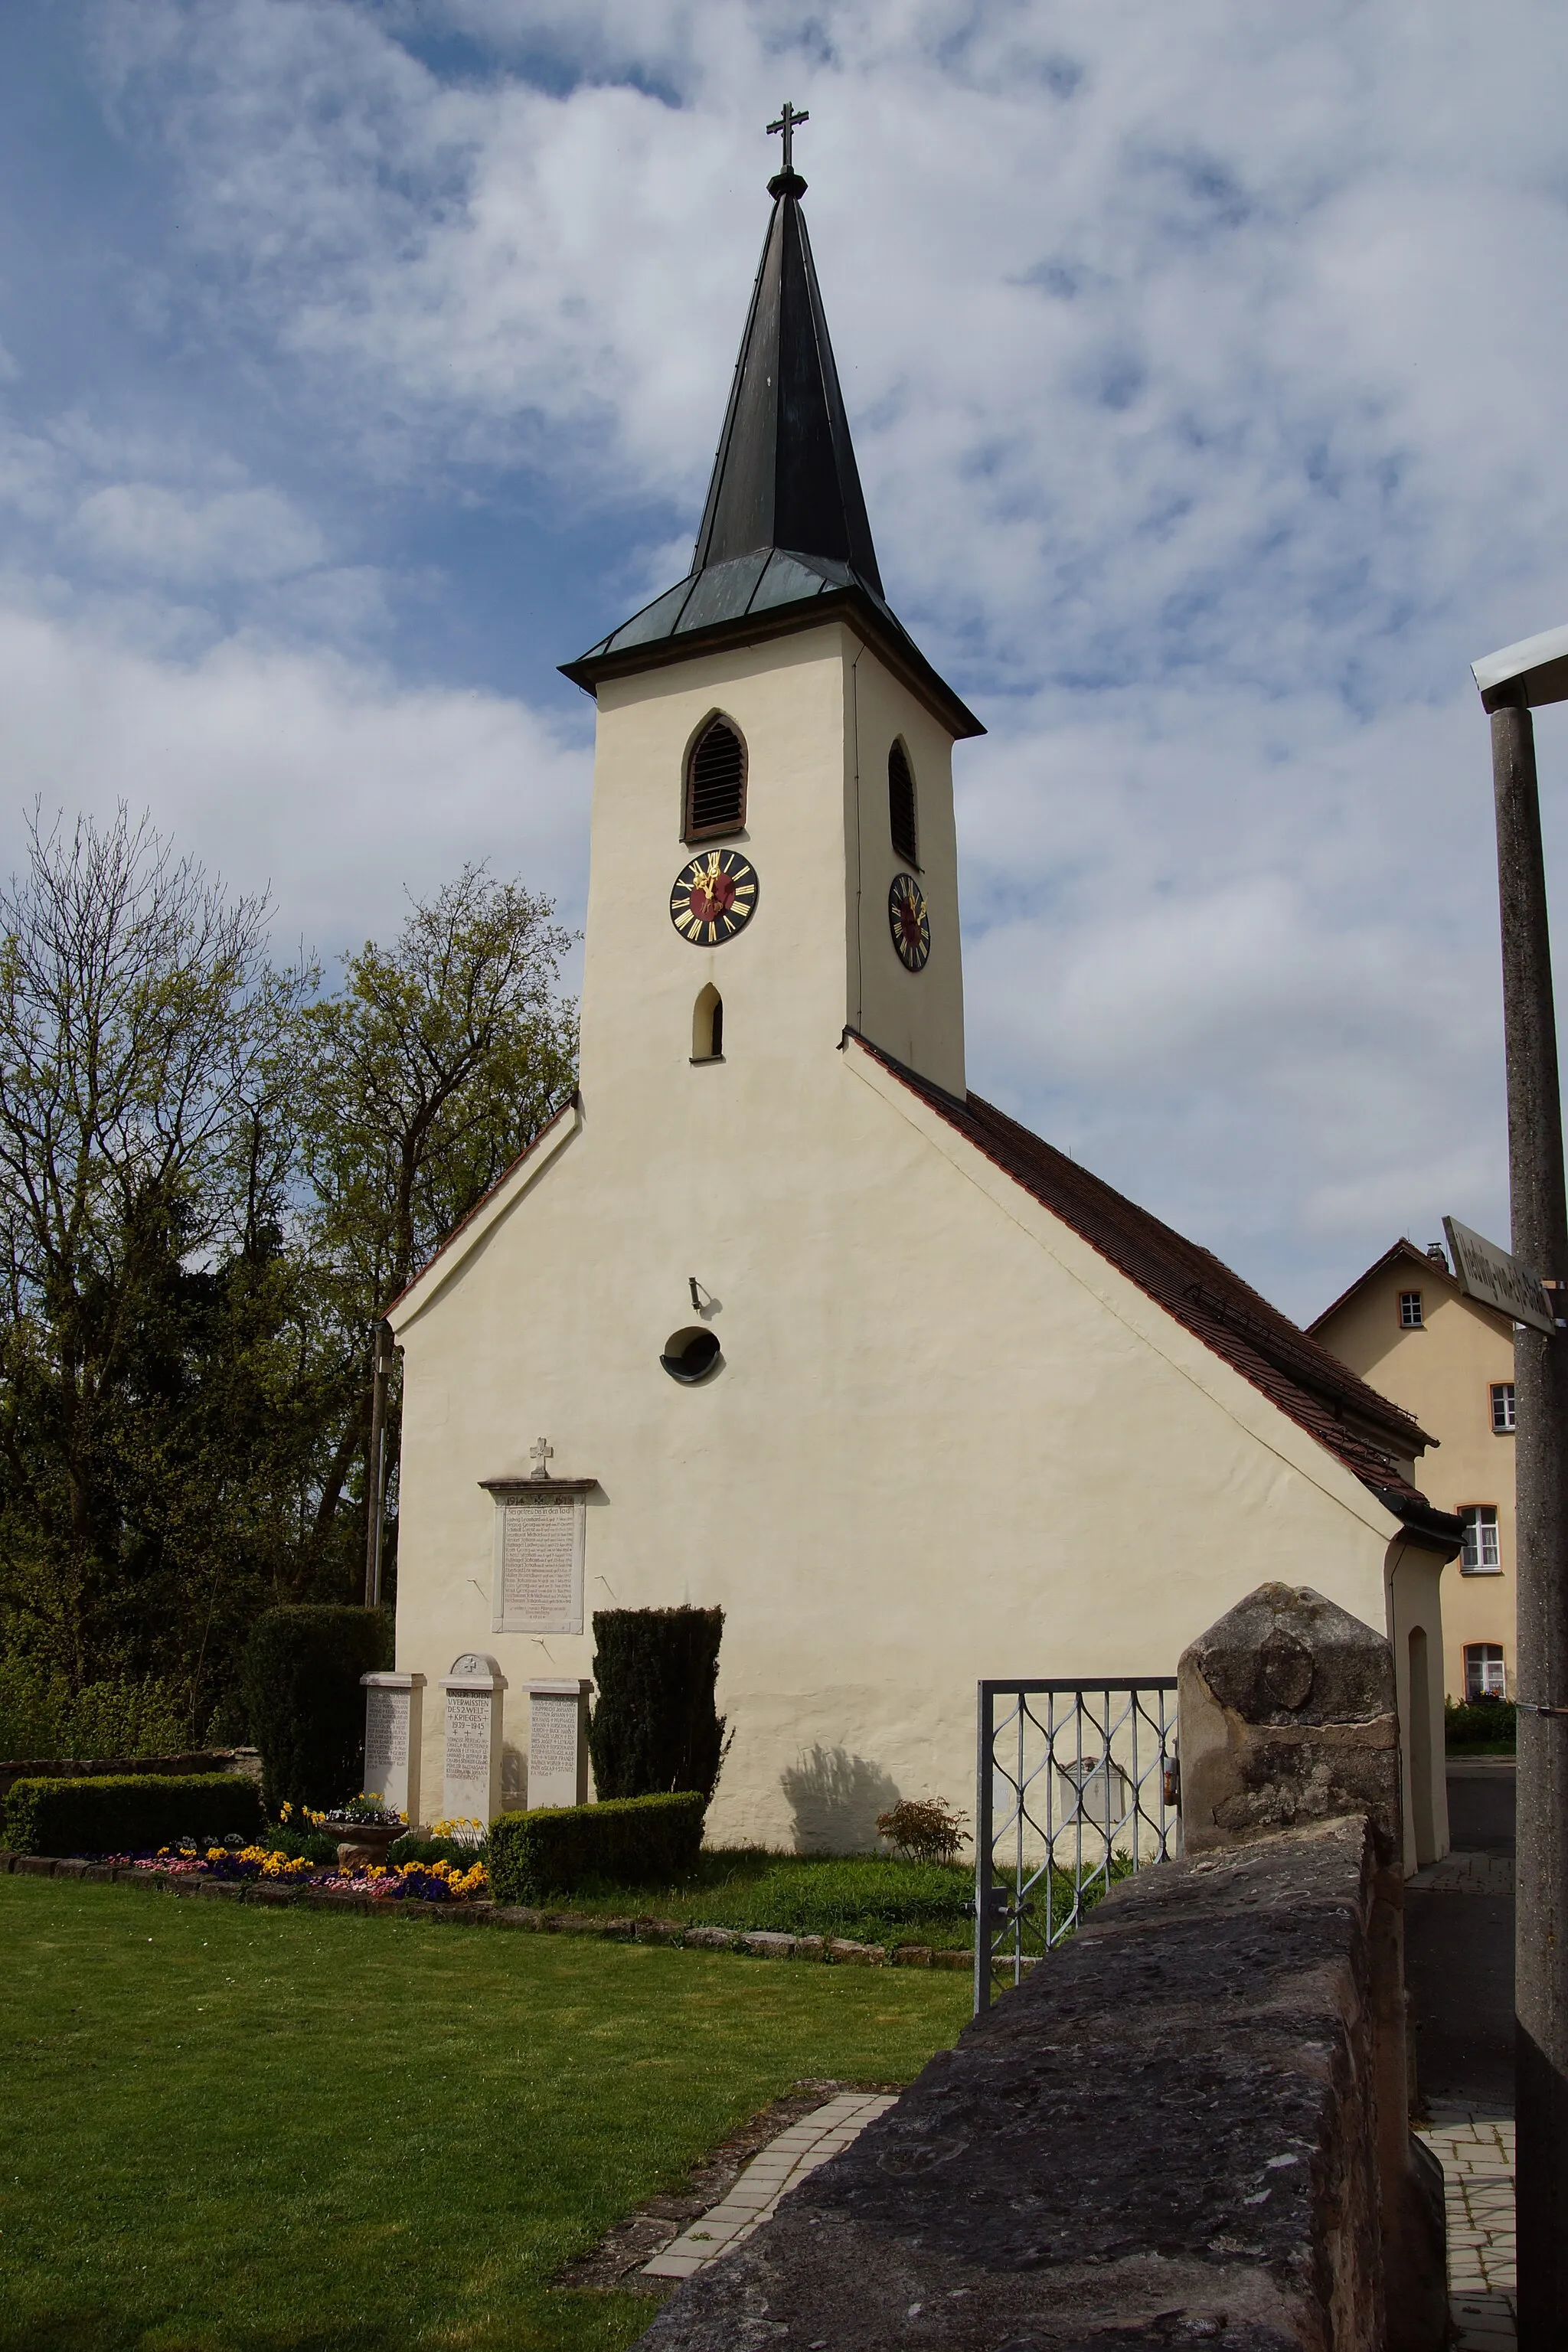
pixel 773 855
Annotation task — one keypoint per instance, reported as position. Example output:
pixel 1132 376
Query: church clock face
pixel 714 896
pixel 908 920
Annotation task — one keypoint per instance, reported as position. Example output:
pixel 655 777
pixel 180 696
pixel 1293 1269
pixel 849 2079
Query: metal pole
pixel 1539 1236
pixel 983 1737
pixel 376 1468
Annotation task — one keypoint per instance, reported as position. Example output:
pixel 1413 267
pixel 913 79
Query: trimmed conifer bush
pixel 127 1812
pixel 302 1690
pixel 633 1841
pixel 654 1727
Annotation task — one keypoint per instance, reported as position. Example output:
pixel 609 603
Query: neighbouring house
pixel 776 1315
pixel 1407 1325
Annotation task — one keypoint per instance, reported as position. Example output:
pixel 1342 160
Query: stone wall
pixel 1189 2125
pixel 1167 2135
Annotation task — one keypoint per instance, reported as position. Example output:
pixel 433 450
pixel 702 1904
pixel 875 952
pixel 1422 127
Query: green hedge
pixel 300 1685
pixel 635 1841
pixel 125 1814
pixel 1490 1724
pixel 654 1726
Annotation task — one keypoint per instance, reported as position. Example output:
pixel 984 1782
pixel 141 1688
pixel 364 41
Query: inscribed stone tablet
pixel 468 1735
pixel 556 1764
pixel 386 1737
pixel 539 1566
pixel 553 1741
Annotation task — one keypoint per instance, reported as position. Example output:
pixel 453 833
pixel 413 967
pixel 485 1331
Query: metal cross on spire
pixel 788 122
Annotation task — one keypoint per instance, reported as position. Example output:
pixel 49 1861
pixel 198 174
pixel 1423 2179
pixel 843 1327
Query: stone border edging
pixel 757 1942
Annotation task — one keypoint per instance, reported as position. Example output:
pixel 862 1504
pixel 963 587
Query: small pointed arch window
pixel 708 1026
pixel 901 822
pixel 715 781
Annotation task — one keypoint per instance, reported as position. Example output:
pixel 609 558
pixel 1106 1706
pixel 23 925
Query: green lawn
pixel 231 2129
pixel 752 1886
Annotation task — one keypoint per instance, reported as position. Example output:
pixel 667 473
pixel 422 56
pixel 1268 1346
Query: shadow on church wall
pixel 836 1799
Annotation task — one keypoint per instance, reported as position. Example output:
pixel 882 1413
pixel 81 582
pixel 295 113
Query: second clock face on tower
pixel 908 920
pixel 715 895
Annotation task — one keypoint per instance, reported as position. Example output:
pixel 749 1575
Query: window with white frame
pixel 1480 1556
pixel 1485 1676
pixel 1502 1407
pixel 1410 1311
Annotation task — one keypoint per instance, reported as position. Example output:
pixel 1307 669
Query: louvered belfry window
pixel 716 783
pixel 901 807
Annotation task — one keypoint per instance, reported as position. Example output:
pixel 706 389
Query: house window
pixel 716 783
pixel 1484 1673
pixel 1410 1311
pixel 1480 1556
pixel 901 807
pixel 1502 1407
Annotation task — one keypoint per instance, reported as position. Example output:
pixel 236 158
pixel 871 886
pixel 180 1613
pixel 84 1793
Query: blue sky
pixel 358 363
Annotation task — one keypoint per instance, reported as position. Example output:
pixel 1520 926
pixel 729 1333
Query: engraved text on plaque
pixel 538 1564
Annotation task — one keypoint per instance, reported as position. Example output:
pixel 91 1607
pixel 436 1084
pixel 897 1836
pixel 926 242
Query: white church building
pixel 776 1315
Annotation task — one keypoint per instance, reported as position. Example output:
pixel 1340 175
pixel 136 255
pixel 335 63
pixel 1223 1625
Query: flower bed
pixel 423 1882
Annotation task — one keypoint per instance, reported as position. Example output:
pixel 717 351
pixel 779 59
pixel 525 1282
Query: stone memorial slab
pixel 394 1725
pixel 472 1778
pixel 541 1532
pixel 557 1743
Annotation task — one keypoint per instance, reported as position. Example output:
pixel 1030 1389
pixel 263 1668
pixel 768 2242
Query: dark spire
pixel 785 475
pixel 784 534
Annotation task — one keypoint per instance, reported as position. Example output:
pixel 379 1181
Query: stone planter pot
pixel 361 1842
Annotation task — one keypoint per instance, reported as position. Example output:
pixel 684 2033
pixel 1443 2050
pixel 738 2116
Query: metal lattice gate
pixel 1075 1787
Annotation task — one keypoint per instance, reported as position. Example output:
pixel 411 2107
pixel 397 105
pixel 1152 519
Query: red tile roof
pixel 1404 1251
pixel 1362 1429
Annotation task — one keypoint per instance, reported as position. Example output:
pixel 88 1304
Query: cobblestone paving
pixel 784 2162
pixel 1466 1874
pixel 1476 2153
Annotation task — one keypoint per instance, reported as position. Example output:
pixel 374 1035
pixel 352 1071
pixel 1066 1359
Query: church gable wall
pixel 946 1439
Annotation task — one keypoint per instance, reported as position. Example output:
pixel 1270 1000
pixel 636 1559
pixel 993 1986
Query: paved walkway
pixel 1465 1874
pixel 784 2161
pixel 1476 2153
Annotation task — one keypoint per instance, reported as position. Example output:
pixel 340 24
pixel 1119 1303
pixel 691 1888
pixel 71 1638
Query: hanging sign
pixel 1498 1280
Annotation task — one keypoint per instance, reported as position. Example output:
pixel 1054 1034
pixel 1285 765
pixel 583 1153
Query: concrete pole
pixel 1540 1237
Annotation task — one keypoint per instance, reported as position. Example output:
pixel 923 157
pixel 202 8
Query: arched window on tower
pixel 901 807
pixel 716 781
pixel 708 1026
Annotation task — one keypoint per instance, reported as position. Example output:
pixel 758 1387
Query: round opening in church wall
pixel 691 1355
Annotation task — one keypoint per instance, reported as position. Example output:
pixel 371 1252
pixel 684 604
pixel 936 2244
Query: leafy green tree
pixel 434 1066
pixel 144 1155
pixel 213 1180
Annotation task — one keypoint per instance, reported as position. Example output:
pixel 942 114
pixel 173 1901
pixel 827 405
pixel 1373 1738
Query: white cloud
pixel 307 772
pixel 1206 380
pixel 194 540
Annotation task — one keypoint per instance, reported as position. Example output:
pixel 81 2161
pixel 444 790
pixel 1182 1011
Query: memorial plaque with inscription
pixel 385 1737
pixel 538 1564
pixel 393 1722
pixel 467 1735
pixel 556 1758
pixel 474 1691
